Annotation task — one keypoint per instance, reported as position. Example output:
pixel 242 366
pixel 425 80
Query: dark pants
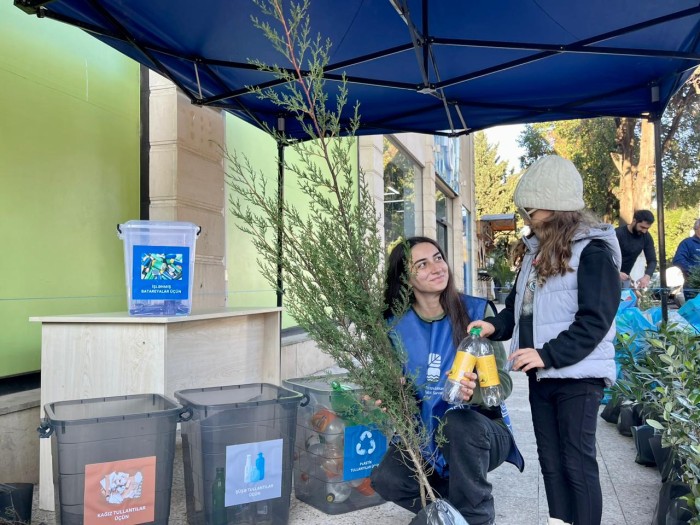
pixel 475 445
pixel 564 416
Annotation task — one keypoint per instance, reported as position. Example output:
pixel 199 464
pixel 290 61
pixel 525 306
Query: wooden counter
pixel 101 355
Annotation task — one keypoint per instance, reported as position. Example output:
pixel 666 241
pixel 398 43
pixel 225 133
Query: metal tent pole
pixel 660 217
pixel 280 206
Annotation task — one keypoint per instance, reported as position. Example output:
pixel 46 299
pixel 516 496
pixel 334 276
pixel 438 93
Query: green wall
pixel 69 162
pixel 246 286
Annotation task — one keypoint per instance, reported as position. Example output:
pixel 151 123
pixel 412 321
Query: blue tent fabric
pixel 426 66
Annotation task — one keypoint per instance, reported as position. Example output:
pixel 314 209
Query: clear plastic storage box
pixel 159 263
pixel 336 448
pixel 238 452
pixel 113 458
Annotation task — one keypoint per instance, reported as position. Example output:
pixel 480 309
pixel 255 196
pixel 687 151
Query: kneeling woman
pixel 477 437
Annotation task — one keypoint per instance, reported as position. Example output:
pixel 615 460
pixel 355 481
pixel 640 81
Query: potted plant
pixel 502 274
pixel 667 375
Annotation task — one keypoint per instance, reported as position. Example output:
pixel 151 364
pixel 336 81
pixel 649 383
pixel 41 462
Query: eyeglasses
pixel 526 213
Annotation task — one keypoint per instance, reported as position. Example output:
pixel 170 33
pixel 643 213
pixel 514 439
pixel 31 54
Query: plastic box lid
pixel 237 396
pixel 320 383
pixel 115 408
pixel 152 226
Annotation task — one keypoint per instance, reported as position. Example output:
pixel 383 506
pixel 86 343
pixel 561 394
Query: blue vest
pixel 429 355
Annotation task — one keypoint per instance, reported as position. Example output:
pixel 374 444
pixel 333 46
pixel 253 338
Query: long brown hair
pixel 556 235
pixel 397 277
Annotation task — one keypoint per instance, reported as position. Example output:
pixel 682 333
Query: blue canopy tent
pixel 427 66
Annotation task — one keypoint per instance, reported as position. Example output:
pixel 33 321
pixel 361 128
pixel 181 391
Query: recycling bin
pixel 336 446
pixel 113 458
pixel 159 263
pixel 238 452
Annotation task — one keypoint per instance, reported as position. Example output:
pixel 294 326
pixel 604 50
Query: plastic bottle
pixel 464 362
pixel 487 372
pixel 329 426
pixel 344 402
pixel 218 495
pixel 337 492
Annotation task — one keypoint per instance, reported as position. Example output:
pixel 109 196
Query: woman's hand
pixel 468 385
pixel 486 328
pixel 525 359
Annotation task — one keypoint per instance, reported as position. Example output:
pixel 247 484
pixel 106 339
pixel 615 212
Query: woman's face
pixel 429 271
pixel 537 218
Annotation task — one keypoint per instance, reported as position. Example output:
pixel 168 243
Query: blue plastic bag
pixel 691 312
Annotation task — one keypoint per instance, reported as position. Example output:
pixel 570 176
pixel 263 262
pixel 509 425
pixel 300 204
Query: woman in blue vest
pixel 477 437
pixel 560 319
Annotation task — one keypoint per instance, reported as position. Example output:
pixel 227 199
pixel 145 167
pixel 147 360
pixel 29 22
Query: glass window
pixel 400 175
pixel 442 205
pixel 447 160
pixel 466 248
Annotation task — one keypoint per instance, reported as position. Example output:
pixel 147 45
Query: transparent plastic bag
pixel 439 512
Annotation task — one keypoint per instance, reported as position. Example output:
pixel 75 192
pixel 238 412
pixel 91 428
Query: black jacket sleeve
pixel 598 299
pixel 649 254
pixel 504 321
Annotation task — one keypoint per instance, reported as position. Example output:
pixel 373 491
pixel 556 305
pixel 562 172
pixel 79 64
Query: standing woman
pixel 560 316
pixel 477 438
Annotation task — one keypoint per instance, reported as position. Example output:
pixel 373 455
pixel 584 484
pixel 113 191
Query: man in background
pixel 635 238
pixel 688 257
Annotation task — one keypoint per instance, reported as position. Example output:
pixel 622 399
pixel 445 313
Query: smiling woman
pixel 429 334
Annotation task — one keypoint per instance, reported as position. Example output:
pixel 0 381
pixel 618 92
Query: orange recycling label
pixel 120 492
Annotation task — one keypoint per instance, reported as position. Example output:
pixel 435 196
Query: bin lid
pixel 320 383
pixel 136 226
pixel 236 396
pixel 115 408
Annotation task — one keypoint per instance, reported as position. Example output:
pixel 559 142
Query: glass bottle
pixel 218 495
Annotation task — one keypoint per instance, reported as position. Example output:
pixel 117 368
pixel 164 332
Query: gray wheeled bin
pixel 113 458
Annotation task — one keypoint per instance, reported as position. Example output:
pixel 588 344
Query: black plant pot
pixel 16 502
pixel 630 416
pixel 611 412
pixel 670 490
pixel 678 513
pixel 641 435
pixel 662 456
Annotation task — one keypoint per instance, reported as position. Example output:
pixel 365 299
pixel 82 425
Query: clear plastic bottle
pixel 487 372
pixel 464 362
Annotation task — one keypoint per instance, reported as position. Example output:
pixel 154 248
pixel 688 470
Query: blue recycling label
pixel 160 273
pixel 365 447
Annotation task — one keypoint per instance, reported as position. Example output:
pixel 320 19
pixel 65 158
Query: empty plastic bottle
pixel 337 492
pixel 464 362
pixel 487 372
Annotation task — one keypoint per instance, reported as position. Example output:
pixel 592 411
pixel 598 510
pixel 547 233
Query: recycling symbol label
pixel 365 441
pixel 364 448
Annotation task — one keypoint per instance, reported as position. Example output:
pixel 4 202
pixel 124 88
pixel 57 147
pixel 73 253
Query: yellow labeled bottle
pixel 464 362
pixel 487 372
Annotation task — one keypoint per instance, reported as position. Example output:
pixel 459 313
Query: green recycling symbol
pixel 360 449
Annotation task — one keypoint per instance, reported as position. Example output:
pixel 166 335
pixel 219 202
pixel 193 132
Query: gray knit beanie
pixel 550 183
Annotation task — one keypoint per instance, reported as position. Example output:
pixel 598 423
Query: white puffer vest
pixel 556 304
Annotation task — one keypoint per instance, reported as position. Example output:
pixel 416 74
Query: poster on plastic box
pixel 160 273
pixel 120 492
pixel 253 472
pixel 365 447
